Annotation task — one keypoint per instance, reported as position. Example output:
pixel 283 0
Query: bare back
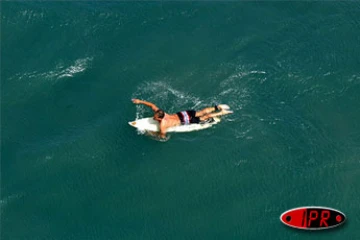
pixel 170 120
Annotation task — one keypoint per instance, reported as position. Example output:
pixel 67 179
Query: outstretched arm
pixel 149 104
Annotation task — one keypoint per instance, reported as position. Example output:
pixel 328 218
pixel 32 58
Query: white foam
pixel 79 66
pixel 60 71
pixel 7 200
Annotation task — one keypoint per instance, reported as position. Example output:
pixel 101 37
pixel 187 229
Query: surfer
pixel 184 117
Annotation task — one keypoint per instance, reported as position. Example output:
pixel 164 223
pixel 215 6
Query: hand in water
pixel 155 136
pixel 136 101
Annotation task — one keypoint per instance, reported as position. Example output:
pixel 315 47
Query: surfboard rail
pixel 149 124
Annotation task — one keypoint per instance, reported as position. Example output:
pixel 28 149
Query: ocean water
pixel 72 167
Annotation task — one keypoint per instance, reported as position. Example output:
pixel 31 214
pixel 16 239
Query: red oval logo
pixel 313 218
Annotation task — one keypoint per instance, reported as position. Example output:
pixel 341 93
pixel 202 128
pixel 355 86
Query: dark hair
pixel 160 113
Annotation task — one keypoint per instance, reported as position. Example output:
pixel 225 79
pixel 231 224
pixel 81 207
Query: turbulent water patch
pixel 60 71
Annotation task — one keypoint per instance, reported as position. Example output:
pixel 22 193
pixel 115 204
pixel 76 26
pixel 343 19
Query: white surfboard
pixel 149 124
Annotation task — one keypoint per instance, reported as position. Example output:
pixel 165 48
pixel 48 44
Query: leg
pixel 210 115
pixel 209 110
pixel 205 111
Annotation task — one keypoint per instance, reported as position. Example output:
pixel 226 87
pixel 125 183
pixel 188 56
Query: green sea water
pixel 72 167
